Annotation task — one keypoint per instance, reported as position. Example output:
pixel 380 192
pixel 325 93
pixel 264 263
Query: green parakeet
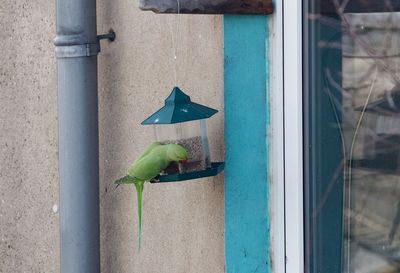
pixel 155 158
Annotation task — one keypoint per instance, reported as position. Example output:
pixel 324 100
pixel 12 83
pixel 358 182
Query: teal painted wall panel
pixel 246 125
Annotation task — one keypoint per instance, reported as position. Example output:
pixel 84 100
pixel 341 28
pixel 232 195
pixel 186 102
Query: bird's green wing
pixel 144 169
pixel 148 167
pixel 147 150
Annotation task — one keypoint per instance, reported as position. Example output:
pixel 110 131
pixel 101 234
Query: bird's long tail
pixel 139 192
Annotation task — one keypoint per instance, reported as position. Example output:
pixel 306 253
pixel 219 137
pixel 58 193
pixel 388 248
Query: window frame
pixel 286 137
pixel 289 33
pixel 293 134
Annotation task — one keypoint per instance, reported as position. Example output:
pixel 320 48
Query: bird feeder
pixel 181 121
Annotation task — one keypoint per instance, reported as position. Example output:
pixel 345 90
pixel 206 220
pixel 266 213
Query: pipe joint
pixel 74 51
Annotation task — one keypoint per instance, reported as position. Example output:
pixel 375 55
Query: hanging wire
pixel 175 35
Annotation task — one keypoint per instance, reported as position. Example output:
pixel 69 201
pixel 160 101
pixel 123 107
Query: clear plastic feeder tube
pixel 193 137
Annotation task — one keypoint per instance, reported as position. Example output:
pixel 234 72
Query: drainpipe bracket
pixel 74 51
pixel 110 36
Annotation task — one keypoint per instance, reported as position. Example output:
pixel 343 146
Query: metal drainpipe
pixel 77 46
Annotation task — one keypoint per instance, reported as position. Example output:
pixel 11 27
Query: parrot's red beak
pixel 183 161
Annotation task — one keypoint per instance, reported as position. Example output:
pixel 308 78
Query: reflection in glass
pixel 371 98
pixel 352 142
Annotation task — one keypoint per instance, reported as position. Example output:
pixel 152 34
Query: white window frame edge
pixel 293 120
pixel 286 137
pixel 276 141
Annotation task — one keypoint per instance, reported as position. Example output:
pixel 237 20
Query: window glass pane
pixel 352 136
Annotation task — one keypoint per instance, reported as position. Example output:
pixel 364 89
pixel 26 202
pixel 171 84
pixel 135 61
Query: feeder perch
pixel 183 122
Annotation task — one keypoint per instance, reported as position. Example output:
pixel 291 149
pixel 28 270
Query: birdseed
pixel 196 160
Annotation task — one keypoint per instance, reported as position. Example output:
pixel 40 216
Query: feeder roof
pixel 179 108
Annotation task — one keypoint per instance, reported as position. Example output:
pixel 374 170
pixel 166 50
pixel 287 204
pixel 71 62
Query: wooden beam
pixel 209 6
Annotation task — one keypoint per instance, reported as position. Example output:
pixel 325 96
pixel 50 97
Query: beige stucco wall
pixel 182 222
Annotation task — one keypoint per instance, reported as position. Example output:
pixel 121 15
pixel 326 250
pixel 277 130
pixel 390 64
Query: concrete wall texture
pixel 182 222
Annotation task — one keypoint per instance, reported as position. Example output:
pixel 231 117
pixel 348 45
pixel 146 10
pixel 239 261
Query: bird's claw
pixel 154 180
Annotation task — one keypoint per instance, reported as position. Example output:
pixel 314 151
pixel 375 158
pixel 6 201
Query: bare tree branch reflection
pixel 363 101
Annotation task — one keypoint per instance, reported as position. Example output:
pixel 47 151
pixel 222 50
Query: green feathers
pixel 155 158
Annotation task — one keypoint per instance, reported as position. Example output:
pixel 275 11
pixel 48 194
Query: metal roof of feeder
pixel 179 108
